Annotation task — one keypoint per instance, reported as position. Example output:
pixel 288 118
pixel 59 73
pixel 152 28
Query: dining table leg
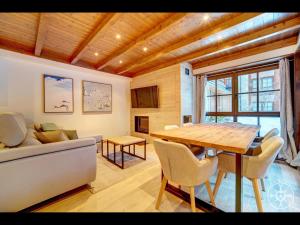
pixel 238 183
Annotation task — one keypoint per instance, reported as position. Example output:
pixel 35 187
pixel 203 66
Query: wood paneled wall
pixel 168 82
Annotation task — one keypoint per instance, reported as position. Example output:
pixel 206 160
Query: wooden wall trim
pixel 248 52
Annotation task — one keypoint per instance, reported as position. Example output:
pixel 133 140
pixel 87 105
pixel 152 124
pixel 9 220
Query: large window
pixel 250 97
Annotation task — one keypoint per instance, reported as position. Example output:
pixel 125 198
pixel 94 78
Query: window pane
pixel 252 120
pixel 210 104
pixel 211 87
pixel 269 80
pixel 210 119
pixel 269 101
pixel 224 86
pixel 247 83
pixel 247 102
pixel 268 123
pixel 224 103
pixel 223 119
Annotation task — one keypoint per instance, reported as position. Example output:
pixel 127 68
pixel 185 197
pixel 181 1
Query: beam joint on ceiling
pixel 153 32
pixel 104 24
pixel 249 37
pixel 41 33
pixel 196 36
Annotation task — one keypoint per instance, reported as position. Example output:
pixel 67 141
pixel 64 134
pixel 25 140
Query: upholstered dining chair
pixel 170 127
pixel 254 167
pixel 180 166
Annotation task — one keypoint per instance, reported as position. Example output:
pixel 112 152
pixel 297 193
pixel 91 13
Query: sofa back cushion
pixel 49 126
pixel 51 136
pixel 12 129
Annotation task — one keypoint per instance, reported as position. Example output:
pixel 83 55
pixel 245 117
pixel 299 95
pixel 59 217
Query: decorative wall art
pixel 58 94
pixel 96 97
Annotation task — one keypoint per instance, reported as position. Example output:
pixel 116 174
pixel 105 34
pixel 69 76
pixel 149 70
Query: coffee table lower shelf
pixel 122 150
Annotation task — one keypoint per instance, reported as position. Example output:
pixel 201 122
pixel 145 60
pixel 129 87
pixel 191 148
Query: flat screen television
pixel 145 97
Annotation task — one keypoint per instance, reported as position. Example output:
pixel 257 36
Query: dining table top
pixel 230 137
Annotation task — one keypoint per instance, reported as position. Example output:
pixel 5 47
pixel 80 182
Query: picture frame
pixel 58 94
pixel 96 97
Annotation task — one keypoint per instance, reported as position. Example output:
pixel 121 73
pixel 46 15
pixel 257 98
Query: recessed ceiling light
pixel 145 49
pixel 96 53
pixel 120 61
pixel 206 17
pixel 118 36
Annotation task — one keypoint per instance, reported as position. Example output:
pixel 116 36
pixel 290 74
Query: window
pixel 250 97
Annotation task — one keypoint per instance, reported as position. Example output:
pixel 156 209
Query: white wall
pixel 21 90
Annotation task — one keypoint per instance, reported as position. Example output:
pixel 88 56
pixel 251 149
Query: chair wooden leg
pixel 211 196
pixel 192 196
pixel 218 182
pixel 257 194
pixel 262 182
pixel 161 191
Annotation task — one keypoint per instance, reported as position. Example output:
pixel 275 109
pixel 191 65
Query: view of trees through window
pixel 249 97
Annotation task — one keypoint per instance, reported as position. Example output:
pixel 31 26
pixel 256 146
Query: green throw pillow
pixel 72 134
pixel 49 126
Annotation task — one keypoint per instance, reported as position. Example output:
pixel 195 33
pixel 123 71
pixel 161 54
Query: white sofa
pixel 32 174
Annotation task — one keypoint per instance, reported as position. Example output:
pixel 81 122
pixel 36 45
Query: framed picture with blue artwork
pixel 58 94
pixel 96 97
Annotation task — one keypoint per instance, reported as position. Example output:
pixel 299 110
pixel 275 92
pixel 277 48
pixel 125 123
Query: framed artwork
pixel 96 97
pixel 58 94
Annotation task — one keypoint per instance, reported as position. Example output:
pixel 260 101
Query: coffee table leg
pixel 114 153
pixel 145 150
pixel 133 148
pixel 102 147
pixel 107 150
pixel 122 156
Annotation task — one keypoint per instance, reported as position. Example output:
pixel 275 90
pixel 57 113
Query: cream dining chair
pixel 254 167
pixel 181 167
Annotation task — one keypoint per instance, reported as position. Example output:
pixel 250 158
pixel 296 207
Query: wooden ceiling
pixel 131 44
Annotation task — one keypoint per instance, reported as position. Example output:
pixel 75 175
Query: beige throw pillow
pixel 51 136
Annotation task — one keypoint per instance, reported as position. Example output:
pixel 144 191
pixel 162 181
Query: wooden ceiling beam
pixel 196 36
pixel 253 36
pixel 247 52
pixel 108 20
pixel 41 35
pixel 158 29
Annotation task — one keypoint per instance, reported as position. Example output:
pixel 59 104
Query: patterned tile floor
pixel 282 191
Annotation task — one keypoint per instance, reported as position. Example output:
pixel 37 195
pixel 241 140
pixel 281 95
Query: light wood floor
pixel 135 191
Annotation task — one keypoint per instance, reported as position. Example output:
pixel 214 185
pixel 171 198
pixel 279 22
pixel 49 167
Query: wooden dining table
pixel 229 137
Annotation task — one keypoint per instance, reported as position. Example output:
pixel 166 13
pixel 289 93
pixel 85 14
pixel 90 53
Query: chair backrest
pixel 273 132
pixel 187 124
pixel 170 127
pixel 180 165
pixel 257 166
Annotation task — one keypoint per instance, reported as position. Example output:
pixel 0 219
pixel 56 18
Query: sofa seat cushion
pixel 12 129
pixel 30 151
pixel 51 136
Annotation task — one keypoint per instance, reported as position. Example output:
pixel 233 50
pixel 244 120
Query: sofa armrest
pixel 28 151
